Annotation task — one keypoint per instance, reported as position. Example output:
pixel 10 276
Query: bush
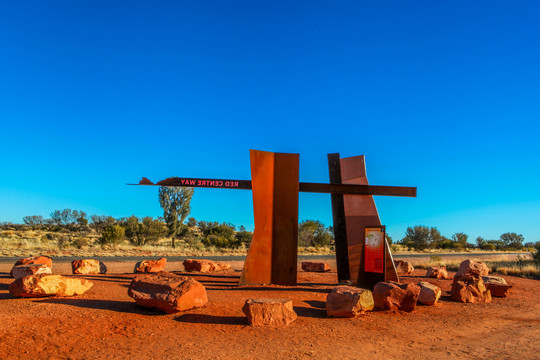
pixel 112 235
pixel 142 232
pixel 536 255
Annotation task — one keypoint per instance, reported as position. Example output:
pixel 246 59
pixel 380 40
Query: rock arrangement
pixel 315 266
pixel 34 260
pixel 393 296
pixel 204 266
pixel 348 301
pixel 403 267
pixel 437 272
pixel 150 266
pixel 88 266
pixel 269 312
pixel 167 292
pixel 468 286
pixel 48 285
pixel 497 286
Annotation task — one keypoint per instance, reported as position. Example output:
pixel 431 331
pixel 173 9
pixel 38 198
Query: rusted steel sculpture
pixel 272 256
pixel 352 215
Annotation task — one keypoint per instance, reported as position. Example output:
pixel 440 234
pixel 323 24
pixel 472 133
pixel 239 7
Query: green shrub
pixel 112 235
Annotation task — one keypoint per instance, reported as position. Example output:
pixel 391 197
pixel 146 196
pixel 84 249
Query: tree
pixel 175 202
pixel 512 240
pixel 421 237
pixel 112 235
pixel 99 222
pixel 142 232
pixel 480 242
pixel 33 220
pixel 68 217
pixel 313 233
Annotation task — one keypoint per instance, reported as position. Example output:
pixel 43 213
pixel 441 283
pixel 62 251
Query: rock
pixel 429 293
pixel 88 266
pixel 393 296
pixel 203 265
pixel 21 271
pixel 48 285
pixel 315 266
pixel 348 301
pixel 150 266
pixel 269 312
pixel 34 260
pixel 167 292
pixel 473 268
pixel 437 272
pixel 470 289
pixel 403 267
pixel 497 286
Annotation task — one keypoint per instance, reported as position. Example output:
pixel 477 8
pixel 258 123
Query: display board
pixel 374 250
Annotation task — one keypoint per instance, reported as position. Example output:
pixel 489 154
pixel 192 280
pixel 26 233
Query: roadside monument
pixel 272 255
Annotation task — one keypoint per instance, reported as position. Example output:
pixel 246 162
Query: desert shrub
pixel 536 255
pixel 313 233
pixel 489 247
pixel 243 237
pixel 63 241
pixel 112 235
pixel 80 242
pixel 142 232
pixel 218 235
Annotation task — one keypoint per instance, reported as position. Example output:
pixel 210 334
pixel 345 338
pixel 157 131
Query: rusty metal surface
pixel 272 255
pixel 303 187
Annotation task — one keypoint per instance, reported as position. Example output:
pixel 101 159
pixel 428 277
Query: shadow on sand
pixel 111 305
pixel 211 319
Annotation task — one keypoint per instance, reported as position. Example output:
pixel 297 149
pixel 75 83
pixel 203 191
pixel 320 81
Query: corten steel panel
pixel 285 219
pixel 258 263
pixel 338 215
pixel 360 212
pixel 272 255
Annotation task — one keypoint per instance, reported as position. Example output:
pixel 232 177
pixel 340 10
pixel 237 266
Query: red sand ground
pixel 105 323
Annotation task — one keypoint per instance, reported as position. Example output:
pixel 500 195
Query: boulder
pixel 150 266
pixel 470 289
pixel 403 267
pixel 88 266
pixel 167 292
pixel 48 285
pixel 34 260
pixel 393 296
pixel 315 266
pixel 348 301
pixel 429 293
pixel 473 268
pixel 497 286
pixel 203 265
pixel 437 272
pixel 21 271
pixel 269 312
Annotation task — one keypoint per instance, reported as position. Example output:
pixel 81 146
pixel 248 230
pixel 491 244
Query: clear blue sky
pixel 440 95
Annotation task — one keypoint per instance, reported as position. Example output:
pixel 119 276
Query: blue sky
pixel 439 95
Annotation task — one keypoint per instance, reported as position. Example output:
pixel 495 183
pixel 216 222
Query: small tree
pixel 460 238
pixel 112 235
pixel 33 220
pixel 313 233
pixel 142 232
pixel 175 202
pixel 512 240
pixel 99 222
pixel 418 237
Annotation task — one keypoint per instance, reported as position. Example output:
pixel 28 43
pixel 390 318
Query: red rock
pixel 315 266
pixel 348 301
pixel 48 285
pixel 150 266
pixel 429 293
pixel 393 296
pixel 35 260
pixel 269 312
pixel 203 265
pixel 470 289
pixel 21 271
pixel 88 266
pixel 473 268
pixel 497 286
pixel 438 272
pixel 167 292
pixel 403 267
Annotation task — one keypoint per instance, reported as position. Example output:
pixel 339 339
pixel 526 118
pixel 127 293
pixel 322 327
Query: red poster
pixel 374 250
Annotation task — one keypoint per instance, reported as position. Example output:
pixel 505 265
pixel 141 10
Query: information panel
pixel 374 253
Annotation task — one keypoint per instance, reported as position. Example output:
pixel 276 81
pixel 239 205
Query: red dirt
pixel 105 323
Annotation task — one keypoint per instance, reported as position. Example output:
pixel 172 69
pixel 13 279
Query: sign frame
pixel 368 279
